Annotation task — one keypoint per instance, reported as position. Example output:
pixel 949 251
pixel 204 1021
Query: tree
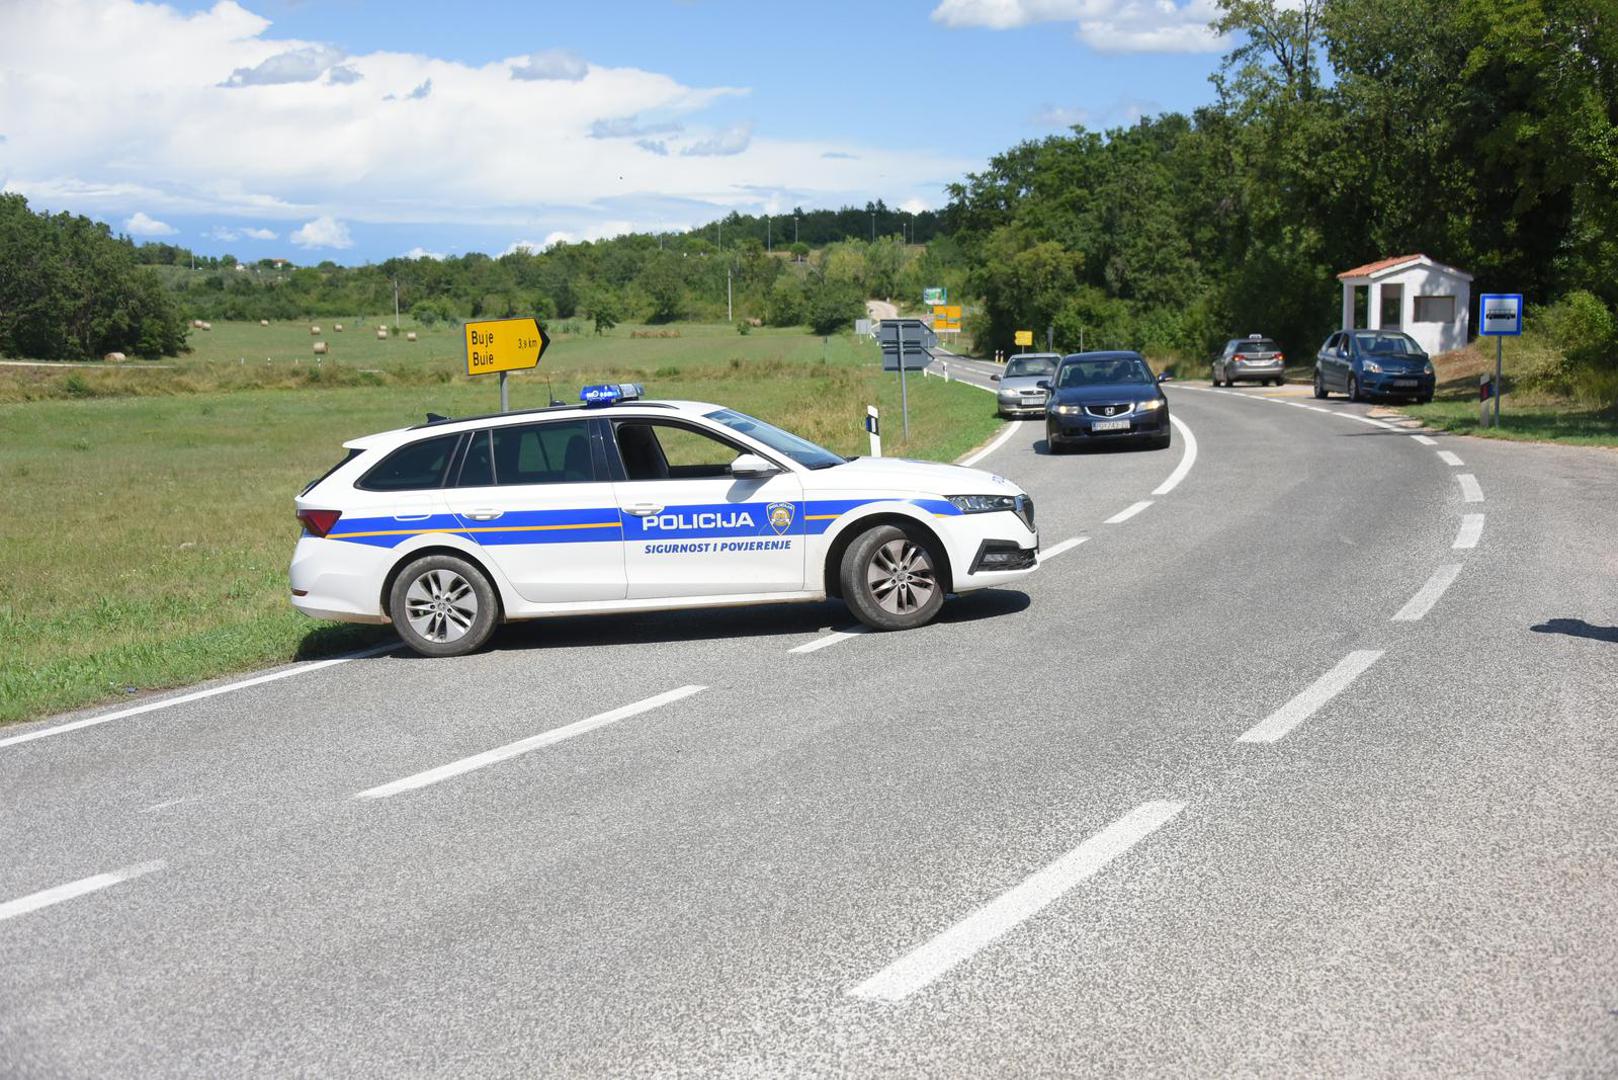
pixel 833 306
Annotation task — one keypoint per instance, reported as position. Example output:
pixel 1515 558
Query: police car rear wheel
pixel 443 606
pixel 890 579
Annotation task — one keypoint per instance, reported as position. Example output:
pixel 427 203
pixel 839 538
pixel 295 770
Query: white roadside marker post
pixel 873 425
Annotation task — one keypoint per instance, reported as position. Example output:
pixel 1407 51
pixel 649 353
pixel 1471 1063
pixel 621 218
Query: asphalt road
pixel 1300 762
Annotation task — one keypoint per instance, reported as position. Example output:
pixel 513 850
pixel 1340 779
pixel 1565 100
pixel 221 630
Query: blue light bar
pixel 607 393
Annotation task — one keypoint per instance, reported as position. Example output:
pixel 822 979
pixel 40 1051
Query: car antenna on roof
pixel 434 418
pixel 551 394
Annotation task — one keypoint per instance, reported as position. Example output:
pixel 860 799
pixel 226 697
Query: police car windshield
pixel 802 451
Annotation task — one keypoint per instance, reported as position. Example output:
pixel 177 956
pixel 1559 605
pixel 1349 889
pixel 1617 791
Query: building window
pixel 1439 309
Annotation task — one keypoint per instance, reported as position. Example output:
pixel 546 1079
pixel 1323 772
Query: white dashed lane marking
pixel 74 889
pixel 1449 458
pixel 1127 513
pixel 523 746
pixel 1471 530
pixel 921 966
pixel 1429 594
pixel 829 639
pixel 1056 549
pixel 1470 491
pixel 1275 726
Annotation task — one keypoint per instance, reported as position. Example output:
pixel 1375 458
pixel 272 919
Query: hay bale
pixel 383 328
pixel 264 322
pixel 196 324
pixel 382 334
pixel 207 326
pixel 411 336
pixel 115 358
pixel 320 348
pixel 314 331
pixel 338 328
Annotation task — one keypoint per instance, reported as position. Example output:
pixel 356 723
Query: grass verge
pixel 149 533
pixel 1522 422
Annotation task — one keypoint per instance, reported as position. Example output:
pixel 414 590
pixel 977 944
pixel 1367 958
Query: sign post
pixel 503 345
pixel 1500 317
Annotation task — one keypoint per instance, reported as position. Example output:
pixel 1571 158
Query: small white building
pixel 1427 300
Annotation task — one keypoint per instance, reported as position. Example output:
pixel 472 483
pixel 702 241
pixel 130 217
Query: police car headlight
pixel 983 504
pixel 1068 410
pixel 1148 406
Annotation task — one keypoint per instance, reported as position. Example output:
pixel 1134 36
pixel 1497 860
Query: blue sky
pixel 357 130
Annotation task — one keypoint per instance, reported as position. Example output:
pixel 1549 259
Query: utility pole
pixel 728 317
pixel 396 304
pixel 794 228
pixel 721 234
pixel 767 222
pixel 873 226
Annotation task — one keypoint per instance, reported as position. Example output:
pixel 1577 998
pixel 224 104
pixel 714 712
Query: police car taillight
pixel 319 522
pixel 608 393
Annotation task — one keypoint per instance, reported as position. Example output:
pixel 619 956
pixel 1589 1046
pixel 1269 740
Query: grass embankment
pixel 1529 411
pixel 150 529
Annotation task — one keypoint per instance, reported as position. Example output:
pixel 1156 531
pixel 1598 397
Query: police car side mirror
pixel 751 467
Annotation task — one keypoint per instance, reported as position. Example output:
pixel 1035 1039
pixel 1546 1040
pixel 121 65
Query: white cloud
pixel 423 253
pixel 1161 26
pixel 259 234
pixel 322 232
pixel 138 224
pixel 166 139
pixel 552 64
pixel 915 206
pixel 727 143
pixel 300 65
pixel 1062 116
pixel 219 232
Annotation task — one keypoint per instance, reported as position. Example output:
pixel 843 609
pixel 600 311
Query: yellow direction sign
pixel 1023 337
pixel 503 345
pixel 946 318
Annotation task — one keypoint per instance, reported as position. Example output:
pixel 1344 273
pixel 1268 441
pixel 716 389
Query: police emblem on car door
pixel 780 517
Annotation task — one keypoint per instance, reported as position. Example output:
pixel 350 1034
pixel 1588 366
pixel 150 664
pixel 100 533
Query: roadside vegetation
pixel 150 519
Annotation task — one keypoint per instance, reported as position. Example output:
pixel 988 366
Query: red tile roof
pixel 1381 264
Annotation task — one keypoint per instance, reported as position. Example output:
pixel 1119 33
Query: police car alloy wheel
pixel 443 606
pixel 891 580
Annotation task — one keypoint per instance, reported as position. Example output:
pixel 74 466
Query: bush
pixel 833 307
pixel 1583 363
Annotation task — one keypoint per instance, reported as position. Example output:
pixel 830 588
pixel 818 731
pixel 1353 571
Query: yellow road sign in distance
pixel 1023 337
pixel 503 345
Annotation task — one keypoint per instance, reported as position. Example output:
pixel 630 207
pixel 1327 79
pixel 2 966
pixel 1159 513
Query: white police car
pixel 619 504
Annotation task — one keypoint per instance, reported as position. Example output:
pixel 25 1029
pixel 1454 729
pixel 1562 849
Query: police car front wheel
pixel 890 579
pixel 443 606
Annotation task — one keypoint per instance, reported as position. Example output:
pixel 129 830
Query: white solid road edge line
pixel 1449 458
pixel 522 746
pixel 198 695
pixel 1471 531
pixel 919 967
pixel 1127 513
pixel 1429 594
pixel 1056 549
pixel 831 638
pixel 1187 459
pixel 1275 726
pixel 46 897
pixel 1470 491
pixel 994 444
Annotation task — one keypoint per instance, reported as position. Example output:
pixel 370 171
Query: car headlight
pixel 1372 366
pixel 1148 406
pixel 983 504
pixel 1427 368
pixel 1069 410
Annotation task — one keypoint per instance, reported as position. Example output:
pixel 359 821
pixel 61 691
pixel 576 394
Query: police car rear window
pixel 413 467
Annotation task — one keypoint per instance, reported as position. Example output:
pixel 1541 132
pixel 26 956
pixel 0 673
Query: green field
pixel 151 510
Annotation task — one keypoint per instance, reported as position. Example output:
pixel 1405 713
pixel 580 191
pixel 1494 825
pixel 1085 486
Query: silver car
pixel 1254 358
pixel 1019 393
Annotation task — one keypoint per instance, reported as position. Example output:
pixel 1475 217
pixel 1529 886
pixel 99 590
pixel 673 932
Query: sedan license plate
pixel 1404 382
pixel 1109 425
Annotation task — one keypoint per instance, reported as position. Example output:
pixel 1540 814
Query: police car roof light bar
pixel 608 393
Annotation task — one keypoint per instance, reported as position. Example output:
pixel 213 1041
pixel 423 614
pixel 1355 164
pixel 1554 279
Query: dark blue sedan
pixel 1366 364
pixel 1105 397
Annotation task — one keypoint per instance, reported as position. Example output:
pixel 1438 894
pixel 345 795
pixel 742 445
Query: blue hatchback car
pixel 1367 364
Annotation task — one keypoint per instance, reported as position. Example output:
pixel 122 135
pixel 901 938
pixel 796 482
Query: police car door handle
pixel 484 515
pixel 644 509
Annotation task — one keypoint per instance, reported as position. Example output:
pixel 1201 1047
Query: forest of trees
pixel 1483 133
